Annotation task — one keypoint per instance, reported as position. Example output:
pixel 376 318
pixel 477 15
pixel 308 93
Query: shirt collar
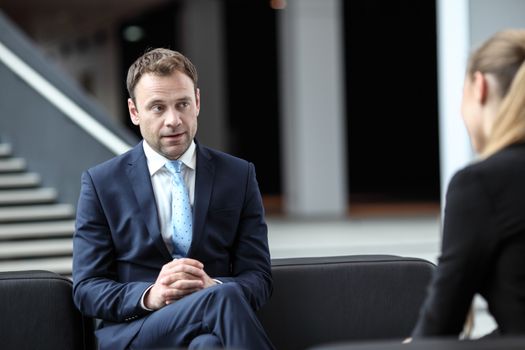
pixel 157 161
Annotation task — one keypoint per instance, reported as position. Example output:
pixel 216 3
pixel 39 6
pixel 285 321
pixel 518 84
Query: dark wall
pixel 392 116
pixel 253 102
pixel 391 96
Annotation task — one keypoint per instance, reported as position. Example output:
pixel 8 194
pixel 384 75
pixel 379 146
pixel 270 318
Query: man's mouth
pixel 174 136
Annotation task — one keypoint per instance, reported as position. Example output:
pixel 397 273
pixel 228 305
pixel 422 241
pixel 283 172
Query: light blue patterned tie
pixel 181 216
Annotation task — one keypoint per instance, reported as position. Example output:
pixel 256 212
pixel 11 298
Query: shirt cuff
pixel 142 305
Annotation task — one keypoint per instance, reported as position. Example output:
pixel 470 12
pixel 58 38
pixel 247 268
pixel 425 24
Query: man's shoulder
pixel 118 162
pixel 221 156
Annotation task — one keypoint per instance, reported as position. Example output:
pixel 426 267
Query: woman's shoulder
pixel 500 168
pixel 511 157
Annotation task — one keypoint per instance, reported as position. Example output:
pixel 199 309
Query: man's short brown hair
pixel 161 62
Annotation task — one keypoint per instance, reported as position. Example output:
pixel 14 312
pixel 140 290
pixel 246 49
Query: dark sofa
pixel 346 298
pixel 37 312
pixel 315 301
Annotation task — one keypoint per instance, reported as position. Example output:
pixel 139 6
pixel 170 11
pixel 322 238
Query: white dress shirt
pixel 161 182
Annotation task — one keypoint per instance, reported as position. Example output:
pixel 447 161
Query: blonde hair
pixel 503 56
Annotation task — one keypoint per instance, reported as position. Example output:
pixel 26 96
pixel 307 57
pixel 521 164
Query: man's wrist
pixel 143 299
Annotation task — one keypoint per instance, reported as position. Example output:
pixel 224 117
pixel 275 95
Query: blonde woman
pixel 483 247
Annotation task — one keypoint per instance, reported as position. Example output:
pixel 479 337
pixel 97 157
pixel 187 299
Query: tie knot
pixel 174 166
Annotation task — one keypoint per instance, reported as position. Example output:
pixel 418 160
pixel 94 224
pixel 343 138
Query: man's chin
pixel 174 151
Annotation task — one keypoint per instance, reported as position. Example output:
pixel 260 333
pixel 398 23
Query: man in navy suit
pixel 124 270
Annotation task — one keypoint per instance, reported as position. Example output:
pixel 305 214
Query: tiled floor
pixel 405 236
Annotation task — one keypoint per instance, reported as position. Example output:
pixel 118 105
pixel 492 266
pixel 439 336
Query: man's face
pixel 166 110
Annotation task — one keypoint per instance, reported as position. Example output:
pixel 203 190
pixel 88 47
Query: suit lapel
pixel 140 180
pixel 203 188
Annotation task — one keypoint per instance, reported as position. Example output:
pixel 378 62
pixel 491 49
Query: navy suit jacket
pixel 118 249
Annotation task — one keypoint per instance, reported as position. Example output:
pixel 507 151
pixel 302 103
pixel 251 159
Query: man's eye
pixel 157 108
pixel 183 105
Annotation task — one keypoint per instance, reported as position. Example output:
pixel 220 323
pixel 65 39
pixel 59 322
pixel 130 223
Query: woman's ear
pixel 480 87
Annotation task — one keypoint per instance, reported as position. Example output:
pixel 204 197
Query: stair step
pixel 36 248
pixel 37 230
pixel 36 212
pixel 28 196
pixel 61 265
pixel 5 150
pixel 19 180
pixel 12 165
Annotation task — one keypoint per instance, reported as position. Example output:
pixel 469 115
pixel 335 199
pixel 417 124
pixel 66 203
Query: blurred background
pixel 348 109
pixel 384 80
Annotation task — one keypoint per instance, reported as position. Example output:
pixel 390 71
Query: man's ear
pixel 133 112
pixel 198 100
pixel 480 87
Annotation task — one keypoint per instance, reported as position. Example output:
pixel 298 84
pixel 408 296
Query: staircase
pixel 35 231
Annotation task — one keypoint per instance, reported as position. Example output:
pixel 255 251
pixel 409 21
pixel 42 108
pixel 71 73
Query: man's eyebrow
pixel 154 102
pixel 157 101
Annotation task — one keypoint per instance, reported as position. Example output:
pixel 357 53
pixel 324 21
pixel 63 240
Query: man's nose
pixel 172 117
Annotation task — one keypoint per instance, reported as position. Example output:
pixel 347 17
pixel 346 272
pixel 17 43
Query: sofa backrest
pixel 315 301
pixel 331 299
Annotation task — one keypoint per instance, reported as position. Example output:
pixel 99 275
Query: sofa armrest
pixel 38 313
